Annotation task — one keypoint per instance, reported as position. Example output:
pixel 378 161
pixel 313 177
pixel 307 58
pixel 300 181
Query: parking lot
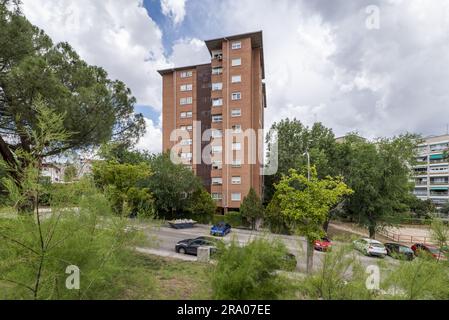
pixel 166 237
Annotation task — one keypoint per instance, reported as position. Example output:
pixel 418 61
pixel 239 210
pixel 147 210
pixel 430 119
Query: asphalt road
pixel 165 238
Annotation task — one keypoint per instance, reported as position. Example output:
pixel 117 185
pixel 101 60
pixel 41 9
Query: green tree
pixel 70 173
pixel 172 186
pixel 121 153
pixel 304 204
pixel 445 208
pixel 294 139
pixel 249 272
pixel 420 208
pixel 122 185
pixel 35 250
pixel 379 174
pixel 94 108
pixel 201 207
pixel 252 208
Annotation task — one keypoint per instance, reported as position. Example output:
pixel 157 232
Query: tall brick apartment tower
pixel 213 100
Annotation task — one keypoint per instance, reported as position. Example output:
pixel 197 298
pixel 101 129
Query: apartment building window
pixel 236 112
pixel 186 87
pixel 217 86
pixel 187 114
pixel 236 146
pixel 217 181
pixel 235 196
pixel 187 128
pixel 217 196
pixel 217 165
pixel 184 101
pixel 186 142
pixel 217 149
pixel 236 96
pixel 237 128
pixel 217 70
pixel 236 79
pixel 218 54
pixel 236 180
pixel 186 155
pixel 236 163
pixel 236 45
pixel 217 133
pixel 217 102
pixel 236 62
pixel 186 74
pixel 217 118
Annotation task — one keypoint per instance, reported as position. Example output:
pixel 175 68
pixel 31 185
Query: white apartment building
pixel 431 173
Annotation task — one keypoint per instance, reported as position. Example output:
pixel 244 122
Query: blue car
pixel 220 229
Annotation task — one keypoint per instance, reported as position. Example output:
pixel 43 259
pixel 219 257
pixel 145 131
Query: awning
pixel 436 156
pixel 439 188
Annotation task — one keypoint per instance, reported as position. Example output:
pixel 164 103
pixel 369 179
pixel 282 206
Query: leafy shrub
pixel 234 218
pixel 249 272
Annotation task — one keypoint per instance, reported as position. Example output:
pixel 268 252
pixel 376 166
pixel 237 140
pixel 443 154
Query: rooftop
pixel 216 44
pixel 256 42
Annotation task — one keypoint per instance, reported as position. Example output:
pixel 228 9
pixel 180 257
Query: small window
pixel 236 180
pixel 236 163
pixel 186 87
pixel 186 142
pixel 184 101
pixel 217 102
pixel 186 155
pixel 236 146
pixel 217 149
pixel 186 74
pixel 217 165
pixel 216 71
pixel 217 181
pixel 236 196
pixel 217 86
pixel 189 128
pixel 236 45
pixel 236 112
pixel 236 79
pixel 237 128
pixel 216 196
pixel 187 114
pixel 236 96
pixel 217 133
pixel 236 62
pixel 217 118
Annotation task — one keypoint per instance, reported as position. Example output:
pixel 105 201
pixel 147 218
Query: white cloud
pixel 117 35
pixel 152 140
pixel 188 51
pixel 174 9
pixel 323 64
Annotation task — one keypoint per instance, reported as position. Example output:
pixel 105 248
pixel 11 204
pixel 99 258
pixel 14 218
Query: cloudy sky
pixel 328 61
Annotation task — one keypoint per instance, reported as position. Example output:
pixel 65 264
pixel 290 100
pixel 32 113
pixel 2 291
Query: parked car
pixel 324 244
pixel 220 229
pixel 399 251
pixel 190 246
pixel 421 248
pixel 370 247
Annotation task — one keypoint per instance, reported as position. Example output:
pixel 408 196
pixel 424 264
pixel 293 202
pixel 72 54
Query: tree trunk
pixel 309 256
pixel 326 224
pixel 372 231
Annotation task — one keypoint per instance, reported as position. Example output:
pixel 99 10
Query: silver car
pixel 370 247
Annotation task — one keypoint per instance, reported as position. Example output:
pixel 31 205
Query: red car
pixel 424 248
pixel 324 244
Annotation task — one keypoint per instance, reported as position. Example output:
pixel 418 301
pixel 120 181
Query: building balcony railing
pixel 439 161
pixel 439 183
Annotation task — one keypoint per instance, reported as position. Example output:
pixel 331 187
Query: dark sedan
pixel 399 251
pixel 190 246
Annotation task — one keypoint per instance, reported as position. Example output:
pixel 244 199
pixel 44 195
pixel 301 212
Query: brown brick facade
pixel 245 110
